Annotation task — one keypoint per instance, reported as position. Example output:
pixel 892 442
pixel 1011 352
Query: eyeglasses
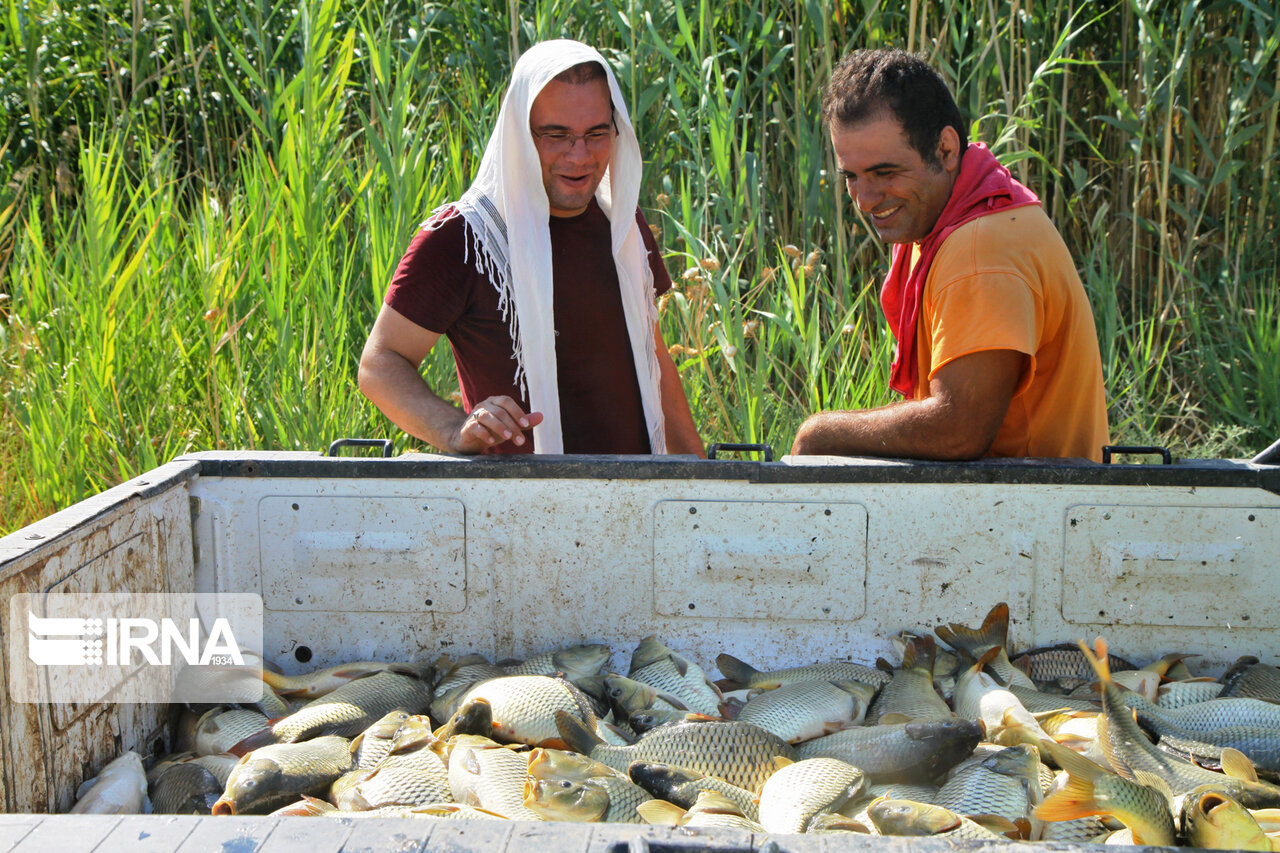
pixel 561 141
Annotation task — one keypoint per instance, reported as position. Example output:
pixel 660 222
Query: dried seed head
pixel 749 328
pixel 730 351
pixel 847 330
pixel 692 274
pixel 662 201
pixel 456 398
pixel 212 315
pixel 655 231
pixel 767 274
pixel 663 300
pixel 790 251
pixel 709 264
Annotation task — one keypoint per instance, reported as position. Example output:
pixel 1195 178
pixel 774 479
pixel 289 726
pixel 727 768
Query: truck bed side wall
pixel 135 537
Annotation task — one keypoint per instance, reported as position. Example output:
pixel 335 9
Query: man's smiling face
pixel 571 177
pixel 898 190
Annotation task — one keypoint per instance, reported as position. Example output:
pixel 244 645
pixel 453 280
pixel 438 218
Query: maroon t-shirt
pixel 600 406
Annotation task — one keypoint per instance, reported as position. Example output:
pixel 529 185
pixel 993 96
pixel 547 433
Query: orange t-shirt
pixel 1007 281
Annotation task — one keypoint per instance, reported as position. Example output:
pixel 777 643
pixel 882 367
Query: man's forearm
pixel 682 435
pixel 677 420
pixel 967 402
pixel 915 429
pixel 399 391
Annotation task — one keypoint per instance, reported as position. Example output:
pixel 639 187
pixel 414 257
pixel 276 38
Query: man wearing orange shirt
pixel 997 351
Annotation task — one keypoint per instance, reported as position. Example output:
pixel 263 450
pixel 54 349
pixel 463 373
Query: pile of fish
pixel 1068 743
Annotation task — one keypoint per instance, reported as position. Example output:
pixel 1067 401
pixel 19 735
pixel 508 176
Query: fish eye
pixel 565 783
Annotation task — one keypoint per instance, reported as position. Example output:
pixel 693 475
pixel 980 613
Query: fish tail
pixel 661 813
pixel 994 631
pixel 1166 663
pixel 577 736
pixel 1073 800
pixel 919 653
pixel 736 673
pixel 1098 659
pixel 276 681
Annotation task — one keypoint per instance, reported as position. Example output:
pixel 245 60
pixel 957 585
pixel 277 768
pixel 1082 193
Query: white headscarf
pixel 506 212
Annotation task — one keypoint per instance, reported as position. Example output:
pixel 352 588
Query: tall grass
pixel 201 204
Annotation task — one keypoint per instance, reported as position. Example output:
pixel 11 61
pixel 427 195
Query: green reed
pixel 202 202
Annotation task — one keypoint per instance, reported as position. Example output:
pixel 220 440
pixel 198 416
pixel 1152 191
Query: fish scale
pixel 807 709
pixel 574 662
pixel 373 744
pixel 523 707
pixel 903 752
pixel 184 789
pixel 1208 715
pixel 739 753
pixel 1248 678
pixel 1006 783
pixel 1135 758
pixel 797 793
pixel 910 693
pixel 486 774
pixel 355 706
pixel 1179 694
pixel 218 731
pixel 603 799
pixel 412 778
pixel 667 672
pixel 1063 661
pixel 680 786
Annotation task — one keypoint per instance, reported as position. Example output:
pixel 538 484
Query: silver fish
pixel 909 752
pixel 738 674
pixel 910 695
pixel 739 753
pixel 671 673
pixel 799 792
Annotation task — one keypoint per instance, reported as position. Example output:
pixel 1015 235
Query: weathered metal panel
pixel 533 559
pixel 139 543
pixel 1137 563
pixel 567 561
pixel 411 550
pixel 760 559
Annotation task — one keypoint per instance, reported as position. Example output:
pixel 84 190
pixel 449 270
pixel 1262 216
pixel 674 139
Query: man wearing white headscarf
pixel 543 277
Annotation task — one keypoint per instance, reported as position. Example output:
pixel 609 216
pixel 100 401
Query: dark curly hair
pixel 868 83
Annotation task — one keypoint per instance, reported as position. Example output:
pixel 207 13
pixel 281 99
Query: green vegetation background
pixel 201 204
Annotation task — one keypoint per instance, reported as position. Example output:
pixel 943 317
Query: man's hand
pixel 389 377
pixel 491 422
pixel 967 402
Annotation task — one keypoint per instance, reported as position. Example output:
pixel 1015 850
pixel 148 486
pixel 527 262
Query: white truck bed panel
pixel 775 563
